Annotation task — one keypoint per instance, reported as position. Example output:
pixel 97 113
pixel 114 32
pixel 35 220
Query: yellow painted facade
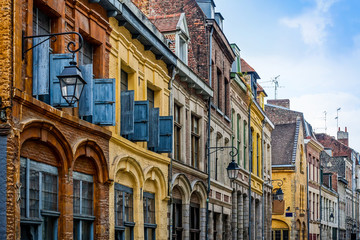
pixel 131 164
pixel 295 193
pixel 257 117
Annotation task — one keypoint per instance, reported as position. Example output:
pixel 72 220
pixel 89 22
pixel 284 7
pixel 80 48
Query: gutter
pixel 208 140
pixel 250 163
pixel 263 184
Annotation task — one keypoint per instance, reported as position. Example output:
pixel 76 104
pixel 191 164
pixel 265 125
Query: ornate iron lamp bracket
pixel 53 38
pixel 232 153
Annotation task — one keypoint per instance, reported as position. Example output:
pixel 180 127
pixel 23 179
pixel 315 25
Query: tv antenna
pixel 337 118
pixel 274 81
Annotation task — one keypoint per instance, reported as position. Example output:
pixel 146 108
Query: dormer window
pixel 182 49
pixel 182 39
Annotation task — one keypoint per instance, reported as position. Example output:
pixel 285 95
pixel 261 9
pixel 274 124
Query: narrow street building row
pixel 138 119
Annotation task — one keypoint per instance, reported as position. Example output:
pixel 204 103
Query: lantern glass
pixel 233 170
pixel 71 83
pixel 279 195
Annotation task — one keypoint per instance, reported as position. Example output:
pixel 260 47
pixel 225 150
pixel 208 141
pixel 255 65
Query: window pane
pixel 76 228
pixel 151 208
pixel 23 191
pixel 277 235
pixel 128 233
pixel 49 191
pixel 149 234
pixel 285 234
pixel 76 203
pixel 150 97
pixel 29 232
pixel 124 81
pixel 119 208
pixel 87 198
pixel 119 235
pixel 128 207
pixel 49 226
pixel 34 193
pixel 86 232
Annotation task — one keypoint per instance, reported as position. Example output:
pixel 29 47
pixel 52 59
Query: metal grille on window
pixel 87 198
pixel 50 191
pixel 76 203
pixel 34 194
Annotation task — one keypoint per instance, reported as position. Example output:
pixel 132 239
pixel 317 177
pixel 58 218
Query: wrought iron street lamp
pixel 279 194
pixel 71 83
pixel 71 79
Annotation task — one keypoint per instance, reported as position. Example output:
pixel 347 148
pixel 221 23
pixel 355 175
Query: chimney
pixel 280 102
pixel 343 137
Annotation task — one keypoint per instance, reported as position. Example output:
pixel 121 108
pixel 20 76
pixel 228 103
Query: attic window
pixel 182 49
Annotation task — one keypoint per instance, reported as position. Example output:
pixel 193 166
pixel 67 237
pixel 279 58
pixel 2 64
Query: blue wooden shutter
pixel 104 102
pixel 166 135
pixel 127 113
pixel 154 119
pixel 141 122
pixel 41 63
pixel 57 64
pixel 86 102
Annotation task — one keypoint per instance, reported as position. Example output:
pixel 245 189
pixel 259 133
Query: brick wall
pixel 338 148
pixel 198 57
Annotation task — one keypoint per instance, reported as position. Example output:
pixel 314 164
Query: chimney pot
pixel 345 129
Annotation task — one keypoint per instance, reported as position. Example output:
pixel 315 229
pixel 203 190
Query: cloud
pixel 312 22
pixel 314 105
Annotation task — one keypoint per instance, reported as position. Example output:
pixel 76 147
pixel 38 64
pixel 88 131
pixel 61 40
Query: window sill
pixel 227 118
pixel 84 217
pixel 219 111
pixel 150 225
pixel 31 220
pixel 50 213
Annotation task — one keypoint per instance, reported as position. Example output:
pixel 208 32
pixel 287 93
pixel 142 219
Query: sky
pixel 314 45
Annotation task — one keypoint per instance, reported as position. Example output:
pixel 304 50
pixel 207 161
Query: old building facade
pixel 289 219
pixel 313 150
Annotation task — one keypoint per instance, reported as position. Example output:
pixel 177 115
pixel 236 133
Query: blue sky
pixel 314 45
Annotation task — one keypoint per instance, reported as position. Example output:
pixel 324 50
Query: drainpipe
pixel 171 105
pixel 250 164
pixel 208 140
pixel 338 207
pixel 307 198
pixel 263 174
pixel 320 200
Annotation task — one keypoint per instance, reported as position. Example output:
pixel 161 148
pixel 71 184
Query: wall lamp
pixel 279 194
pixel 71 79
